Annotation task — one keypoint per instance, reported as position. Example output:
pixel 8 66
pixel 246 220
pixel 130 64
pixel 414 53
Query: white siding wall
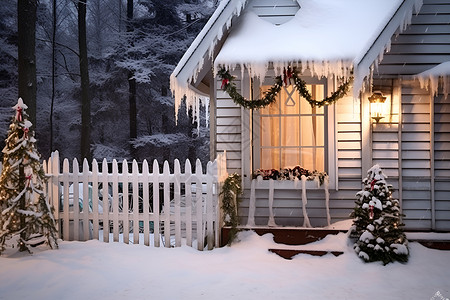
pixel 442 161
pixel 415 151
pixel 349 145
pixel 228 126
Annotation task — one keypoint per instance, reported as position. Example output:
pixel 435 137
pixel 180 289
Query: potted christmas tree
pixel 26 218
pixel 377 225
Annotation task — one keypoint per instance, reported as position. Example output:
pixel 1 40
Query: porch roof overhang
pixel 328 37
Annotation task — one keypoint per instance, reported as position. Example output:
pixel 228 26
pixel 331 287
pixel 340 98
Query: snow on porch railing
pixel 137 206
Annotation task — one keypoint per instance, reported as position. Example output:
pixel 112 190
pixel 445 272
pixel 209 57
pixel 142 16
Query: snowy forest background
pixel 147 46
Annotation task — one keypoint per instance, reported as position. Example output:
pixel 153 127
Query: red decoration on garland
pixel 19 114
pixel 371 212
pixel 225 82
pixel 287 75
pixel 28 179
pixel 25 132
pixel 372 184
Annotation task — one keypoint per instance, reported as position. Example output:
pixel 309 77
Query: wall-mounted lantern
pixel 376 106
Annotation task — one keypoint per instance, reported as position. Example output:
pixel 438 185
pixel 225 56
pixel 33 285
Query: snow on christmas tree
pixel 377 224
pixel 26 217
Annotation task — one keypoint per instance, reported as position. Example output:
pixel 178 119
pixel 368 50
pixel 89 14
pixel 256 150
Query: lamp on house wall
pixel 377 106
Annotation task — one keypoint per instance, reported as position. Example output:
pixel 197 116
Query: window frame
pixel 330 141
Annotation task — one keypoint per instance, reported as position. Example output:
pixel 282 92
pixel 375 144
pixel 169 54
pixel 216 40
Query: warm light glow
pixel 377 106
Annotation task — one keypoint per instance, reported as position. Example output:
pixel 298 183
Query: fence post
pixel 125 204
pixel 166 217
pixel 199 204
pixel 85 214
pixel 95 211
pixel 210 212
pixel 156 230
pixel 188 200
pixel 146 204
pixel 76 198
pixel 115 200
pixel 177 199
pixel 65 220
pixel 135 171
pixel 105 199
pixel 54 171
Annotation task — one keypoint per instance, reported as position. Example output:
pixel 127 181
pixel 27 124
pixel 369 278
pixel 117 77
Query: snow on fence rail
pixel 137 206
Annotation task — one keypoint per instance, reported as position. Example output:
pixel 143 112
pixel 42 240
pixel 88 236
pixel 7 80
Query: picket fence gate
pixel 160 207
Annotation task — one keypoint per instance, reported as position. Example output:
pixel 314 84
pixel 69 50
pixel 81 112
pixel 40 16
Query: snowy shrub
pixel 377 226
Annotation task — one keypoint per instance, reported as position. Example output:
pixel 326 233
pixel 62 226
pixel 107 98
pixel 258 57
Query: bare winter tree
pixel 131 79
pixel 26 25
pixel 84 73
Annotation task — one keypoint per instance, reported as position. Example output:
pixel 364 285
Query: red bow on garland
pixel 287 75
pixel 25 132
pixel 19 114
pixel 371 212
pixel 372 184
pixel 225 82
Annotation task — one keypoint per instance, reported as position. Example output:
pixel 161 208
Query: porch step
pixel 439 245
pixel 289 253
pixel 286 235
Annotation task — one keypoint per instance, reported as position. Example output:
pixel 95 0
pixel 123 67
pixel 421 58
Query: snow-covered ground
pixel 246 270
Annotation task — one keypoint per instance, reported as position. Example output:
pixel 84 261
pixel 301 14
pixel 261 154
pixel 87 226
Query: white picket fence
pixel 137 206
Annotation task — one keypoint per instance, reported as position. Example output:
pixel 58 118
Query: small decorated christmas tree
pixel 377 224
pixel 26 218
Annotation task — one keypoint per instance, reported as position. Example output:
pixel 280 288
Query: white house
pixel 399 48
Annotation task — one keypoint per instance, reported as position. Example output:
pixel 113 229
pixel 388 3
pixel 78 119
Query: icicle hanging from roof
pixel 435 77
pixel 180 79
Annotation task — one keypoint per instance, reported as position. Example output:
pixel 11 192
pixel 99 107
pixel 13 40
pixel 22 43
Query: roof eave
pixel 399 21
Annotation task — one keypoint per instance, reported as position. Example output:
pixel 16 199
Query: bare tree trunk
pixel 131 79
pixel 84 72
pixel 52 103
pixel 26 26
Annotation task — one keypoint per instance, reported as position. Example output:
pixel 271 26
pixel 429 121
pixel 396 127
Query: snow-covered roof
pixel 322 32
pixel 327 36
pixel 431 78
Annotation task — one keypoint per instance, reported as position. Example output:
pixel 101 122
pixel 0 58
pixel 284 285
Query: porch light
pixel 376 106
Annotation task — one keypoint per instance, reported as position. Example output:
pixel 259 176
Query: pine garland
pixel 231 191
pixel 270 96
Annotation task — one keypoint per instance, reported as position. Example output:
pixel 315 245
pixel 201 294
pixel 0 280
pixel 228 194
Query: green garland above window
pixel 289 75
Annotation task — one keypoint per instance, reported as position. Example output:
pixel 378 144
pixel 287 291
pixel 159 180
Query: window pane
pixel 274 108
pixel 270 131
pixel 317 93
pixel 312 158
pixel 312 131
pixel 290 131
pixel 270 158
pixel 290 157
